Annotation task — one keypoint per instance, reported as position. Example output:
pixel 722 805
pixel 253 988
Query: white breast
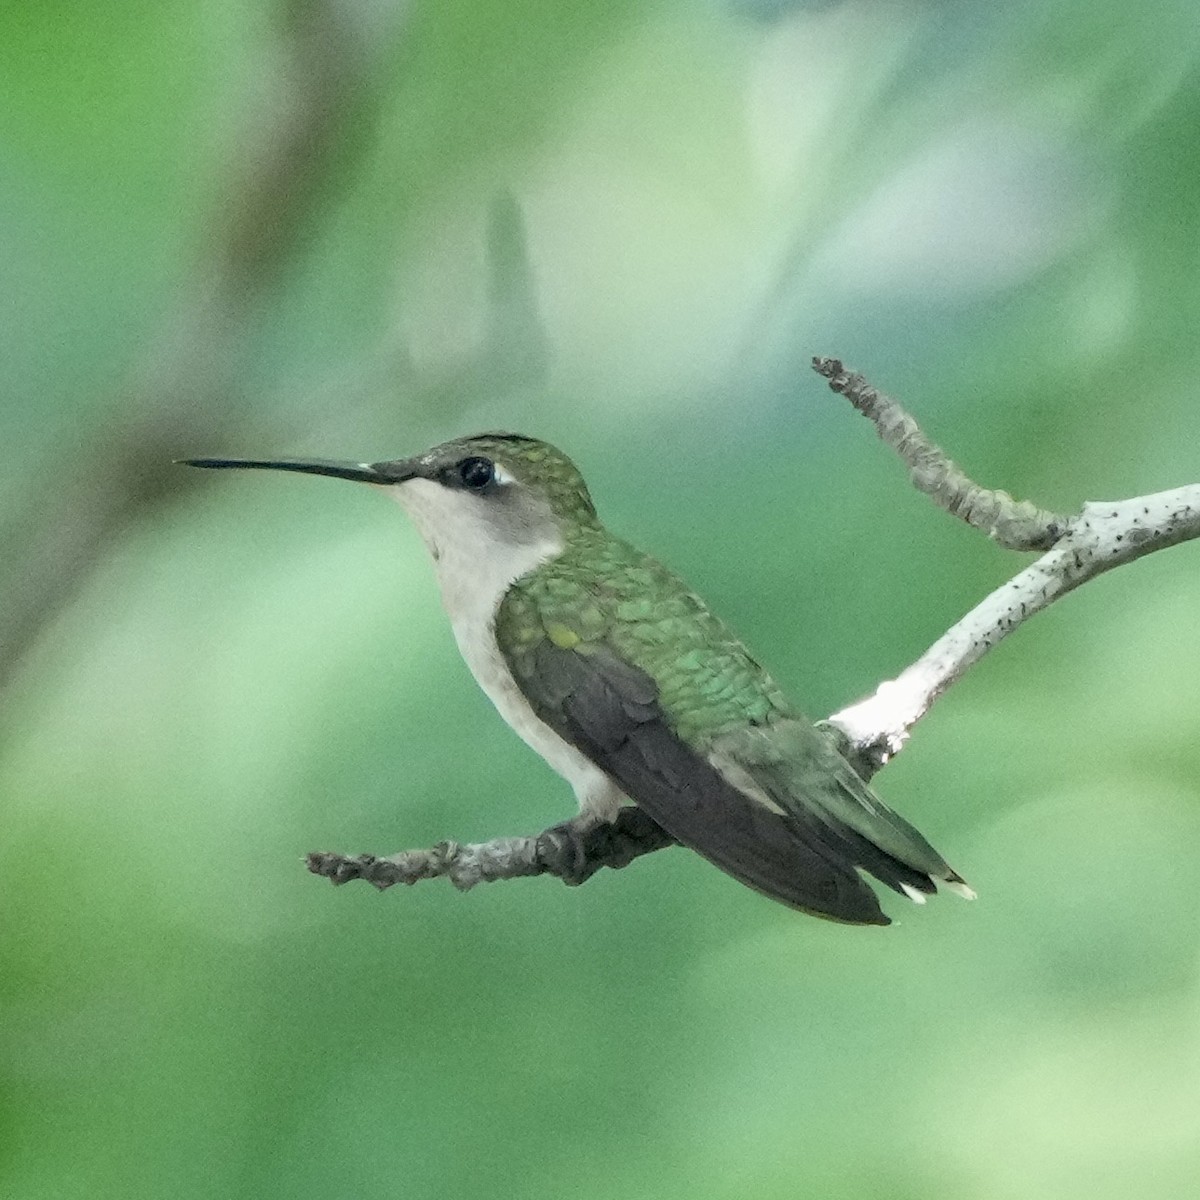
pixel 474 573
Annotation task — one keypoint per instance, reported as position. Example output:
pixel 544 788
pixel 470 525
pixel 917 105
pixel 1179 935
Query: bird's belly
pixel 596 793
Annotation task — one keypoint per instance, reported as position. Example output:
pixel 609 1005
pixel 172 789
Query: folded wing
pixel 609 710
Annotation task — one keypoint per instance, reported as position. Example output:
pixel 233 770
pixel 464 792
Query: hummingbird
pixel 630 687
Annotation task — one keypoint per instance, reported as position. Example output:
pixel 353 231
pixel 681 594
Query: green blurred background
pixel 351 228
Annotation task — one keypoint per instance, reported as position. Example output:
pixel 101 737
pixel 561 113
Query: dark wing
pixel 609 710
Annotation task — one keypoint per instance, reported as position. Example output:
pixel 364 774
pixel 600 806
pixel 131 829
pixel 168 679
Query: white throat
pixel 475 565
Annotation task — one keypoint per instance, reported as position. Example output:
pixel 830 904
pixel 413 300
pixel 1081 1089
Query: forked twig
pixel 1103 535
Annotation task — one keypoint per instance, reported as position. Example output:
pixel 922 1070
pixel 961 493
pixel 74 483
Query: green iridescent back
pixel 603 592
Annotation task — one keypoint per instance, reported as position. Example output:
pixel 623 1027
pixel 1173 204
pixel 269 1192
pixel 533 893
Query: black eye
pixel 476 473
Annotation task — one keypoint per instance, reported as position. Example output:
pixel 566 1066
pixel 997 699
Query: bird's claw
pixel 563 851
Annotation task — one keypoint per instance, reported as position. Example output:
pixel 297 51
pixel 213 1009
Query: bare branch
pixel 573 851
pixel 1014 524
pixel 1103 536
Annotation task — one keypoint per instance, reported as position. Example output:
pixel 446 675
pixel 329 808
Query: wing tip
pixel 877 919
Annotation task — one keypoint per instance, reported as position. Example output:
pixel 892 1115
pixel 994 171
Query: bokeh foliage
pixel 625 228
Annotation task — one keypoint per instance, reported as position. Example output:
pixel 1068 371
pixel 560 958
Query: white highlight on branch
pixel 1103 536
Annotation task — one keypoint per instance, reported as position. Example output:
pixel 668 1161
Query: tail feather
pixel 795 769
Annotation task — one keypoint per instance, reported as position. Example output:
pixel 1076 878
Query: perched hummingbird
pixel 624 681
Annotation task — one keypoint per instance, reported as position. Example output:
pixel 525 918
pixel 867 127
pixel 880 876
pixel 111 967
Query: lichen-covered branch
pixel 1014 524
pixel 573 851
pixel 1102 536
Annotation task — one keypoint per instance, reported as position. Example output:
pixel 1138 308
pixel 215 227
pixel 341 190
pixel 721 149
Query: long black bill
pixel 380 472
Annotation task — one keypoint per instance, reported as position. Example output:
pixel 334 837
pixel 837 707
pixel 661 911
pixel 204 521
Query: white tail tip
pixel 912 893
pixel 959 888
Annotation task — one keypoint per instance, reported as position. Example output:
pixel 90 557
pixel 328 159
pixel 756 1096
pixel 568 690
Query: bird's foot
pixel 567 850
pixel 577 849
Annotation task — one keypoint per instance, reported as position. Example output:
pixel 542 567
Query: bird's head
pixel 488 490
